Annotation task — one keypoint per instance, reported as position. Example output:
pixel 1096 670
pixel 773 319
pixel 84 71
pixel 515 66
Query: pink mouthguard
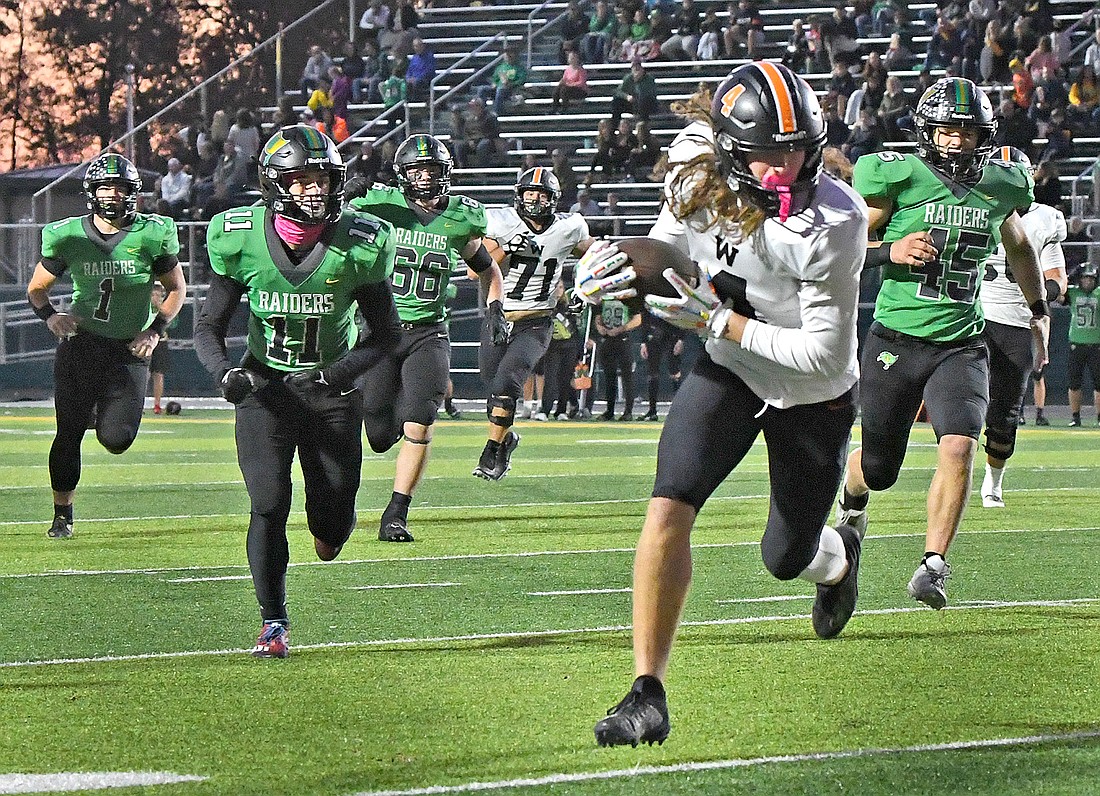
pixel 780 184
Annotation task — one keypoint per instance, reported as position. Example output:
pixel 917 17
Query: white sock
pixel 991 484
pixel 830 561
pixel 936 563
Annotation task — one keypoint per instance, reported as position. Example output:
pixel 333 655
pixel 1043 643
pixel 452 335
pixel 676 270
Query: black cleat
pixel 835 604
pixel 649 416
pixel 642 716
pixel 61 528
pixel 1040 420
pixel 452 413
pixel 626 417
pixel 606 416
pixel 496 458
pixel 394 530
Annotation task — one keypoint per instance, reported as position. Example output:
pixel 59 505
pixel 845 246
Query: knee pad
pixel 1000 443
pixel 503 402
pixel 115 441
pixel 882 461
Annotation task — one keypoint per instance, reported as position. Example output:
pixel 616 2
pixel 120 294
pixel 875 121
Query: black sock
pixel 1038 413
pixel 850 501
pixel 448 405
pixel 1077 416
pixel 399 506
pixel 63 511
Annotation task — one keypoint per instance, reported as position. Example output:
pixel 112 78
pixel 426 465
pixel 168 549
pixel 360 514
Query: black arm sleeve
pixel 163 265
pixel 878 256
pixel 221 300
pixel 380 313
pixel 481 261
pixel 54 266
pixel 1053 290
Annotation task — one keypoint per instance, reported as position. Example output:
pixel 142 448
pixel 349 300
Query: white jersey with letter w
pixel 799 277
pixel 1002 300
pixel 535 259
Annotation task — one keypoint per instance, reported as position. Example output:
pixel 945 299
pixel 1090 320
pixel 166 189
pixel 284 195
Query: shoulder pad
pixel 888 166
pixel 223 242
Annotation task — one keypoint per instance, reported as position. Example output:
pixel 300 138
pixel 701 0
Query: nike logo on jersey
pixel 347 392
pixel 331 281
pixel 887 359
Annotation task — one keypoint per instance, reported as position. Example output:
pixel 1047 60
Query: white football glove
pixel 600 274
pixel 698 309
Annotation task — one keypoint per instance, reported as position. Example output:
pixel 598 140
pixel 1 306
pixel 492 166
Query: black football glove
pixel 238 383
pixel 307 383
pixel 496 323
pixel 356 187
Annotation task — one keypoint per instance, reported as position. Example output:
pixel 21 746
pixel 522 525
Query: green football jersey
pixel 300 316
pixel 614 314
pixel 1084 321
pixel 426 253
pixel 938 301
pixel 112 276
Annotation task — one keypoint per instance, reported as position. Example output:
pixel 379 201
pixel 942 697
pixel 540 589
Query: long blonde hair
pixel 698 186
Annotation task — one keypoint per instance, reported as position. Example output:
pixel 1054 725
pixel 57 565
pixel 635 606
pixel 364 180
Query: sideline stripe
pixel 66 781
pixel 531 634
pixel 404 586
pixel 719 765
pixel 482 556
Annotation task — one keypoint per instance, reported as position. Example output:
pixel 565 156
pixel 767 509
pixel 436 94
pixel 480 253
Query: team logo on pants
pixel 887 359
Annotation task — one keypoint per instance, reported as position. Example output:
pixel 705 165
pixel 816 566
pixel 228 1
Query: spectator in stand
pixel 897 56
pixel 1059 140
pixel 796 56
pixel 1084 98
pixel 1026 38
pixel 567 178
pixel 572 86
pixel 710 37
pixel 840 36
pixel 375 20
pixel 230 181
pixel 398 37
pixel 387 175
pixel 284 114
pixel 840 87
pixel 866 137
pixel 660 25
pixel 687 25
pixel 573 31
pixel 596 44
pixel 996 53
pixel 882 15
pixel 335 127
pixel 321 96
pixel 639 44
pixel 355 68
pixel 1092 54
pixel 894 107
pixel 317 66
pixel 874 74
pixel 1048 188
pixel 484 146
pixel 376 68
pixel 1042 57
pixel 637 93
pixel 394 91
pixel 835 163
pixel 244 134
pixel 460 146
pixel 507 80
pixel 1016 128
pixel 219 128
pixel 174 189
pixel 945 47
pixel 602 162
pixel 420 71
pixel 644 154
pixel 586 206
pixel 836 131
pixel 623 145
pixel 1022 85
pixel 745 34
pixel 308 117
pixel 340 93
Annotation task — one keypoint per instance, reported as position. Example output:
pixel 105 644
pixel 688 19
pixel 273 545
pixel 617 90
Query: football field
pixel 477 659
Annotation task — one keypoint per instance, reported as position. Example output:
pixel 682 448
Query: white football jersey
pixel 1002 300
pixel 536 259
pixel 801 278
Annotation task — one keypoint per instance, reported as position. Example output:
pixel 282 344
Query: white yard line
pixel 404 586
pixel 68 781
pixel 529 634
pixel 719 765
pixel 777 599
pixel 482 556
pixel 577 592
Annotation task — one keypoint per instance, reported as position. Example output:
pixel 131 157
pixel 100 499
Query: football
pixel 650 258
pixel 172 408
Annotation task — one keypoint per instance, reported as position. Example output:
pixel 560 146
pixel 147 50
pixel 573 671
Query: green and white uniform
pixel 937 301
pixel 427 250
pixel 300 316
pixel 1084 316
pixel 112 275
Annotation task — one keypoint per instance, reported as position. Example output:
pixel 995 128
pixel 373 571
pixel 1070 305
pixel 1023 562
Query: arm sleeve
pixel 54 266
pixel 829 304
pixel 213 324
pixel 165 263
pixel 380 313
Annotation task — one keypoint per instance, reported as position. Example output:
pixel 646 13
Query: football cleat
pixel 928 584
pixel 394 530
pixel 856 518
pixel 61 528
pixel 649 416
pixel 273 642
pixel 1074 423
pixel 608 415
pixel 1040 420
pixel 835 604
pixel 156 409
pixel 452 413
pixel 626 417
pixel 642 716
pixel 992 502
pixel 496 460
pixel 542 417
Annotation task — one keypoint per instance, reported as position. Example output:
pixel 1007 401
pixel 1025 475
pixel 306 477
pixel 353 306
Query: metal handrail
pixel 48 189
pixel 500 38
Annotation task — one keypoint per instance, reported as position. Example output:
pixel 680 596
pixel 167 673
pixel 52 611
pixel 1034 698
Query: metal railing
pixel 271 42
pixel 499 39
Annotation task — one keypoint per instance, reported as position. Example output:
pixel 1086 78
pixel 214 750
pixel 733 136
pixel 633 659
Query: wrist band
pixel 159 324
pixel 877 256
pixel 45 312
pixel 1039 309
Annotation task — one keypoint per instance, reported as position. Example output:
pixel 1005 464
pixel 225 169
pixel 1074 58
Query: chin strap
pixel 296 233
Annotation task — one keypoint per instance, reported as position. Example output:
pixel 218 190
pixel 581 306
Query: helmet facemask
pixel 775 199
pixel 540 209
pixel 424 188
pixel 964 166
